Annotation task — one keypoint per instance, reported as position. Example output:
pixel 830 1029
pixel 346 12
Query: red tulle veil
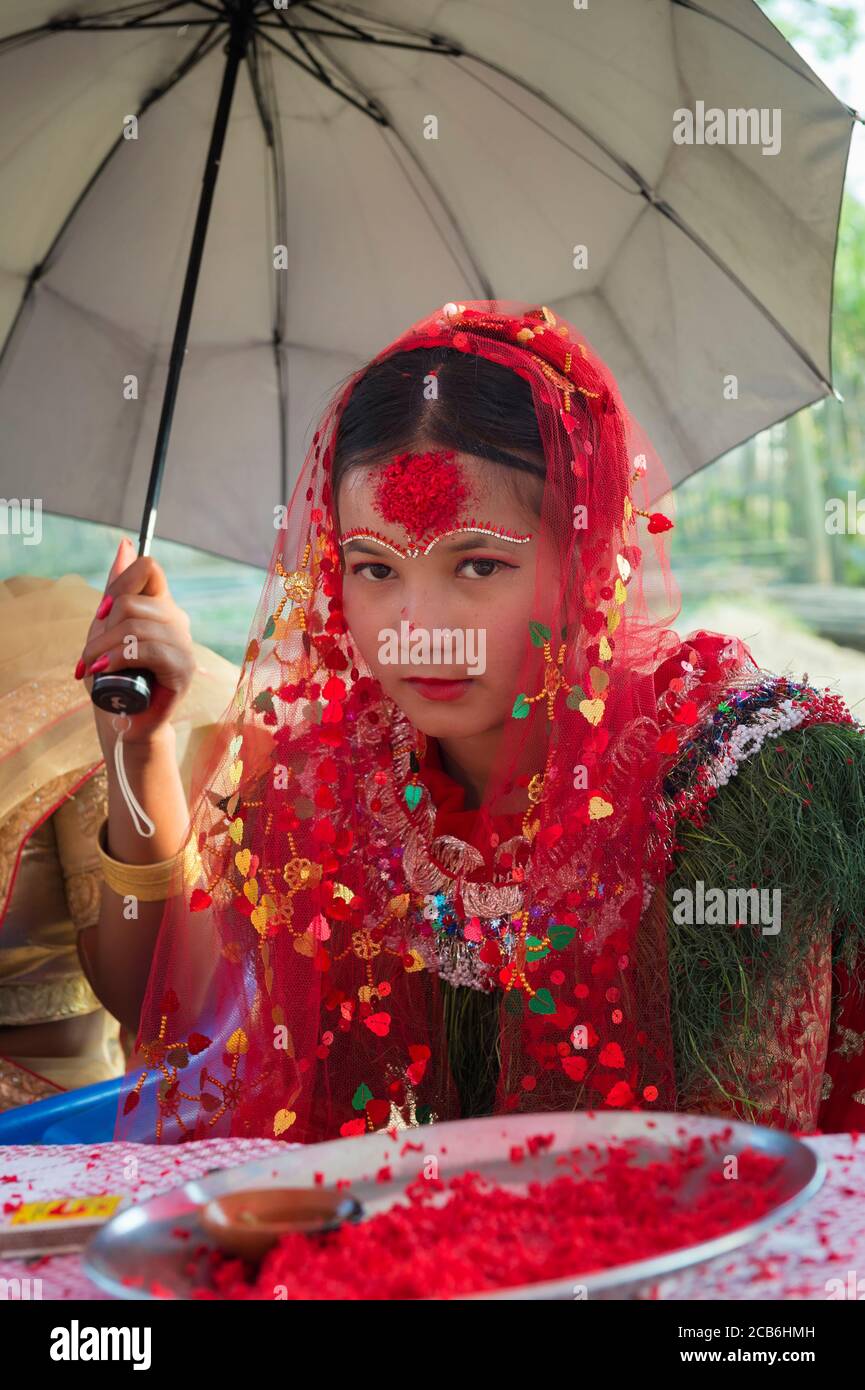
pixel 298 982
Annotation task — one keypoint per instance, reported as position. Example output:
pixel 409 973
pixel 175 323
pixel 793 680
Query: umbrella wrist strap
pixel 140 819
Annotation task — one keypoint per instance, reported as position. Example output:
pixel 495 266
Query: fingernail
pixel 105 606
pixel 80 668
pixel 99 665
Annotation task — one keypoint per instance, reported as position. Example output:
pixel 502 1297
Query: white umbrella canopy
pixel 554 129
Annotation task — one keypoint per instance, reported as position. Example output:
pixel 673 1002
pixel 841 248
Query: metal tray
pixel 143 1241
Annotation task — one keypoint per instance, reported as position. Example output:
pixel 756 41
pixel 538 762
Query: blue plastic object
pixel 86 1116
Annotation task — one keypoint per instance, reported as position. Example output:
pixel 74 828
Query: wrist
pixel 138 747
pixel 157 741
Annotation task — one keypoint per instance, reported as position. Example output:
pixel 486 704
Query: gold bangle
pixel 147 882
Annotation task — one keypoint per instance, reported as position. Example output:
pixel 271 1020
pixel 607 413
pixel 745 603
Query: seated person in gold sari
pixel 54 1033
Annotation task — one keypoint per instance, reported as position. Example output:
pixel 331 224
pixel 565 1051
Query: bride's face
pixel 481 589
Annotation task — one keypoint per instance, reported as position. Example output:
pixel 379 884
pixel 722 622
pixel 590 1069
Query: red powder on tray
pixel 485 1236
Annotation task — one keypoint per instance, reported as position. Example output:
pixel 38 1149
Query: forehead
pixel 423 497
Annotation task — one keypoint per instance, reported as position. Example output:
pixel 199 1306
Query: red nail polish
pixel 105 606
pixel 80 668
pixel 99 665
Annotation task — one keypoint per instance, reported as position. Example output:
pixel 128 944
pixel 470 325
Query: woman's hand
pixel 138 605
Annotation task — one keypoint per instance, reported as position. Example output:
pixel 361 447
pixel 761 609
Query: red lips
pixel 439 689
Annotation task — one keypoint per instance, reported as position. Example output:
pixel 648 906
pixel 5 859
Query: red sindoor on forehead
pixel 422 493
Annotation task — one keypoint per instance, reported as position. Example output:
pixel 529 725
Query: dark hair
pixel 480 408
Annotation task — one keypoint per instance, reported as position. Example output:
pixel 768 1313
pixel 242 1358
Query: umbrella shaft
pixel 241 28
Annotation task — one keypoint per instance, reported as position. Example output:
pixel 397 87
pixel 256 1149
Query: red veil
pixel 301 980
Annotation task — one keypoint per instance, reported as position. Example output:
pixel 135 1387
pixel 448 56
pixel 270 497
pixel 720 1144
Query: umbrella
pixel 251 196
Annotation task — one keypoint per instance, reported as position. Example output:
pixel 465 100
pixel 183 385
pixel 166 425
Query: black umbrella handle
pixel 123 692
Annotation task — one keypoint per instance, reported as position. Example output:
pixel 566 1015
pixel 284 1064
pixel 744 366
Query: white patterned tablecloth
pixel 814 1254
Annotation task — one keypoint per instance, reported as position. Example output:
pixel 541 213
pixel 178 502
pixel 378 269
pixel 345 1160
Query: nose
pixel 425 605
pixel 429 605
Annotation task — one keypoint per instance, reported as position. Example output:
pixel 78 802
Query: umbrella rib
pixel 486 288
pixel 118 10
pixel 64 28
pixel 335 19
pixel 71 26
pixel 809 76
pixel 258 93
pixel 297 29
pixel 646 369
pixel 445 47
pixel 284 24
pixel 668 211
pixel 311 72
pixel 162 8
pixel 203 48
pixel 455 50
pixel 388 123
pixel 503 72
pixel 348 77
pixel 218 10
pixel 356 34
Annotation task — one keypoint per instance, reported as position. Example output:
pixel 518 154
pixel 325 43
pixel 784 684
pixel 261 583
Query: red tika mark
pixel 421 492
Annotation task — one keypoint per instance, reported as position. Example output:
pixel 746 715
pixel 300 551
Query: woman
pixel 425 879
pixel 54 1032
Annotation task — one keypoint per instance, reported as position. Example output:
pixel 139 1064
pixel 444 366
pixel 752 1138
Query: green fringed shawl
pixel 792 818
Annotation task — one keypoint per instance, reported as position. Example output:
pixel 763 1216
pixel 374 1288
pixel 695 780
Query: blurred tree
pixel 832 30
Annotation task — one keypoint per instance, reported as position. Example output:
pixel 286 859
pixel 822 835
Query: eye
pixel 484 568
pixel 372 570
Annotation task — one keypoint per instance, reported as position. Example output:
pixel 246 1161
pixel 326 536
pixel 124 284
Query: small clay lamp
pixel 250 1223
